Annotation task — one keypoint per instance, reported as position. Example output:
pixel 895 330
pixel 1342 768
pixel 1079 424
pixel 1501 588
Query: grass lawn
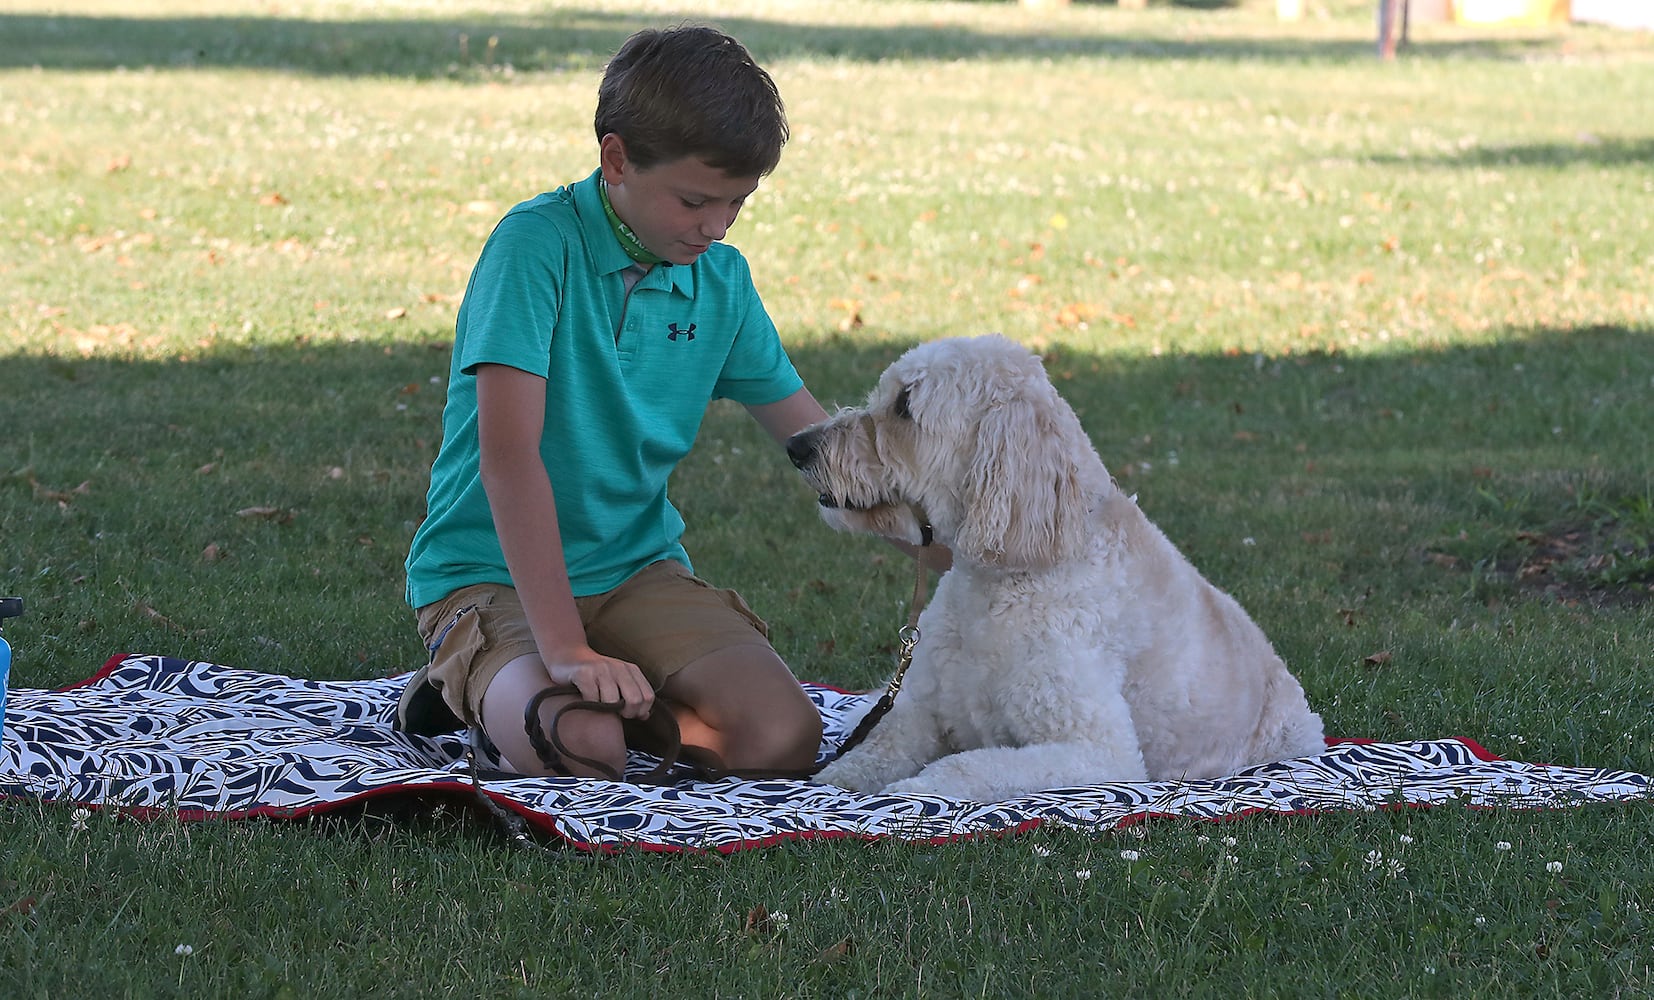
pixel 1373 343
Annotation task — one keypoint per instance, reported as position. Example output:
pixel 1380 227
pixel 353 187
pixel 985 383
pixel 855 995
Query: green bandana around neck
pixel 628 240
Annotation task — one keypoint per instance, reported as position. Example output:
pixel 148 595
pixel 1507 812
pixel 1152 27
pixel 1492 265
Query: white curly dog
pixel 1071 643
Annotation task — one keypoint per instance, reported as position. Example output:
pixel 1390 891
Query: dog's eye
pixel 900 408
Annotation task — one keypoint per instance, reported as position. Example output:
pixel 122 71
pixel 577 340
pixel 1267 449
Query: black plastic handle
pixel 11 607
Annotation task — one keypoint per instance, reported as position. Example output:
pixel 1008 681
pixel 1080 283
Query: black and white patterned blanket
pixel 157 734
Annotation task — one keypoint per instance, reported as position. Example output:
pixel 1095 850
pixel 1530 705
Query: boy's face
pixel 677 208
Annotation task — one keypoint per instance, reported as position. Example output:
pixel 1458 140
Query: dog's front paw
pixel 912 786
pixel 957 790
pixel 949 779
pixel 850 777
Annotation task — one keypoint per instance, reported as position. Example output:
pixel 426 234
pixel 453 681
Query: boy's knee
pixel 784 741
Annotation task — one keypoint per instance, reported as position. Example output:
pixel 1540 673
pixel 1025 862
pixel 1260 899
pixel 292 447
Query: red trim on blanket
pixel 1481 752
pixel 109 667
pixel 546 824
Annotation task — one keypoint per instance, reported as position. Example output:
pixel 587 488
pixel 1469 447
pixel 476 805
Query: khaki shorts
pixel 662 619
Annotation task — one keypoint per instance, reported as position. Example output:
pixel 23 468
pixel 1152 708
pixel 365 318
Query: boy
pixel 600 320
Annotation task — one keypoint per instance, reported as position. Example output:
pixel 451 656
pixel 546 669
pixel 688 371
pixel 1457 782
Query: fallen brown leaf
pixel 837 951
pixel 143 609
pixel 62 497
pixel 1377 659
pixel 758 921
pixel 280 515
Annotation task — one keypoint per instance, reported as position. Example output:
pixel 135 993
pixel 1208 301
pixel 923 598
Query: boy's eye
pixel 691 204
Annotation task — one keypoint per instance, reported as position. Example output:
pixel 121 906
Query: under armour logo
pixel 688 334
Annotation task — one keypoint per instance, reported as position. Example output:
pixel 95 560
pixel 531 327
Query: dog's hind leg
pixel 993 774
pixel 899 745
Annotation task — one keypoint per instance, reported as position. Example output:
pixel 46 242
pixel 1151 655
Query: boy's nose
pixel 714 229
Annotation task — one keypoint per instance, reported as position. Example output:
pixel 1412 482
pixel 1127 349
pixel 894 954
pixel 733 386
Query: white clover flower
pixel 1554 867
pixel 1042 852
pixel 1480 921
pixel 1373 860
pixel 1404 839
pixel 184 950
pixel 1231 859
pixel 1229 842
pixel 1395 868
pixel 78 818
pixel 779 918
pixel 1083 874
pixel 1503 845
pixel 1203 839
pixel 1129 855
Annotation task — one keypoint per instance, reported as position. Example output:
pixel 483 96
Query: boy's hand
pixel 604 679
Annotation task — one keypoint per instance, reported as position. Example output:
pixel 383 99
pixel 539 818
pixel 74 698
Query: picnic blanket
pixel 162 735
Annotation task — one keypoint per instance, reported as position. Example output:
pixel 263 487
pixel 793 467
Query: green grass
pixel 1374 344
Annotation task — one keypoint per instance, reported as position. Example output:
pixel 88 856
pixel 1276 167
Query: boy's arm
pixel 510 420
pixel 786 417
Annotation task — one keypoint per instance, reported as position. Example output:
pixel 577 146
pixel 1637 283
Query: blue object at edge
pixel 5 682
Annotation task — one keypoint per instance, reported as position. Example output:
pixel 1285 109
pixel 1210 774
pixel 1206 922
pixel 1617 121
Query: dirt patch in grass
pixel 1607 562
pixel 1594 562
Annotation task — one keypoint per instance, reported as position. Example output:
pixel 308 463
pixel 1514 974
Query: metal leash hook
pixel 909 642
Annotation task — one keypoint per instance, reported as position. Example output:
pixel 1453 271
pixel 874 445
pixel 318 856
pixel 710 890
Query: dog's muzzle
pixel 801 448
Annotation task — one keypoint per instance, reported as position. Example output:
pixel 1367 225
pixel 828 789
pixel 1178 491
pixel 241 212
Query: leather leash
pixel 549 747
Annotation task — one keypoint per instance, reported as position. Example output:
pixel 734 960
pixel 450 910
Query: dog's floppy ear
pixel 1023 505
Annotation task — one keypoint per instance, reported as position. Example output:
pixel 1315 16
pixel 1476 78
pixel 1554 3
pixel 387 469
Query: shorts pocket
pixel 738 604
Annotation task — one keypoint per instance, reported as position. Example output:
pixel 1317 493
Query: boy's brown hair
pixel 692 90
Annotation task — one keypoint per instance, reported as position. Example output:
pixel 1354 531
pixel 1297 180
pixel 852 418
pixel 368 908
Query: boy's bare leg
pixel 596 735
pixel 743 704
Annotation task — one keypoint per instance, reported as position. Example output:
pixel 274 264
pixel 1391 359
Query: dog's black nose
pixel 801 447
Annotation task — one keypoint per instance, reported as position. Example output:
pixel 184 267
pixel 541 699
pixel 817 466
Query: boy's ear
pixel 611 156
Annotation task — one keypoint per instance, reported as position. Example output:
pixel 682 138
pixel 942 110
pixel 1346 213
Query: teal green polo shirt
pixel 628 379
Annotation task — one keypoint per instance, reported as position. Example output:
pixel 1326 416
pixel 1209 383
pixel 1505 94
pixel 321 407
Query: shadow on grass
pixel 271 492
pixel 1586 150
pixel 582 39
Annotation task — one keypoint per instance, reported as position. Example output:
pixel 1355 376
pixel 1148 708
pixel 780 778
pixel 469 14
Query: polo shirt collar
pixel 606 253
